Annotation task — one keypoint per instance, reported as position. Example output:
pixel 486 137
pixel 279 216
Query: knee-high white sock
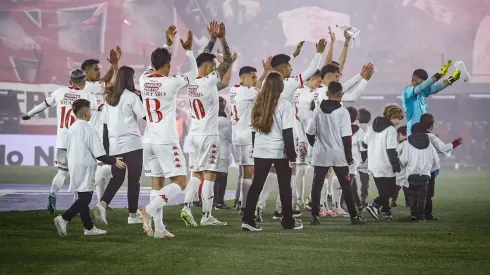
pixel 153 194
pixel 207 196
pixel 293 187
pixel 336 192
pixel 166 194
pixel 323 196
pixel 246 183
pixel 300 183
pixel 59 180
pixel 278 204
pixel 102 176
pixel 158 221
pixel 270 182
pixel 191 192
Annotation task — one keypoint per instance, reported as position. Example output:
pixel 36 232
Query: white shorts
pixel 204 153
pixel 245 154
pixel 163 160
pixel 60 159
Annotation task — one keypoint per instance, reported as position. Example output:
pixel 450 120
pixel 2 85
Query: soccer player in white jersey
pixel 242 98
pixel 302 99
pixel 162 155
pixel 280 63
pixel 96 86
pixel 203 132
pixel 63 98
pixel 83 147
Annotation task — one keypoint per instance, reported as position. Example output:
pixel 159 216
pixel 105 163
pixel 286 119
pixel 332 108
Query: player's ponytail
pixel 265 105
pixel 124 81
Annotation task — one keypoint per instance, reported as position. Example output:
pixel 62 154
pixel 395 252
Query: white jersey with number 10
pixel 63 98
pixel 159 95
pixel 204 104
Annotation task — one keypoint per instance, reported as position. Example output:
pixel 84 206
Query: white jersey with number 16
pixel 63 98
pixel 204 101
pixel 159 95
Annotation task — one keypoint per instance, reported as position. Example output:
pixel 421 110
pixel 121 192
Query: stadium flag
pixel 481 53
pixel 435 10
pixel 311 24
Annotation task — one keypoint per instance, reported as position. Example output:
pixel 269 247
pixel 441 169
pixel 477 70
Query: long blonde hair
pixel 265 105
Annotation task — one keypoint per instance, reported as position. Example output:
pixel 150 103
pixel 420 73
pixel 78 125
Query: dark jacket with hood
pixel 379 125
pixel 419 140
pixel 327 107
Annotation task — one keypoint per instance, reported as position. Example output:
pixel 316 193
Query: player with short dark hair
pixel 421 86
pixel 63 98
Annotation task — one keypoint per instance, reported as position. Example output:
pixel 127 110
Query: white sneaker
pixel 211 221
pixel 100 214
pixel 135 220
pixel 61 225
pixel 164 235
pixel 465 75
pixel 94 232
pixel 340 212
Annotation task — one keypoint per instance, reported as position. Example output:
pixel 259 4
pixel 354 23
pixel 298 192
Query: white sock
pixel 166 194
pixel 270 182
pixel 207 197
pixel 278 204
pixel 246 183
pixel 336 192
pixel 158 221
pixel 293 187
pixel 300 183
pixel 323 195
pixel 102 176
pixel 153 194
pixel 191 191
pixel 59 180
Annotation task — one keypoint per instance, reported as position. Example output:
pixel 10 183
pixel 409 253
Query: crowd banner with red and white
pixel 481 53
pixel 311 24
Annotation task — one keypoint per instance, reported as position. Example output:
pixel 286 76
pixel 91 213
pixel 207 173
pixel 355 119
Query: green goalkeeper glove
pixel 443 71
pixel 456 75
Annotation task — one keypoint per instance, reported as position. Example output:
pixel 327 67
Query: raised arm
pixel 353 94
pixel 187 45
pixel 227 59
pixel 425 86
pixel 225 80
pixel 267 68
pixel 50 101
pixel 434 89
pixel 114 56
pixel 343 54
pixel 329 57
pixel 310 71
pixel 213 29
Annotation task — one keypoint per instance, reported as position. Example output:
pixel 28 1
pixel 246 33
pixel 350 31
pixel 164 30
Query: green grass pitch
pixel 457 244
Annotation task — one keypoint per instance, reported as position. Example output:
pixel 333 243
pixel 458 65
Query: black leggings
pixel 386 190
pixel 134 164
pixel 262 167
pixel 81 205
pixel 344 181
pixel 220 188
pixel 430 195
